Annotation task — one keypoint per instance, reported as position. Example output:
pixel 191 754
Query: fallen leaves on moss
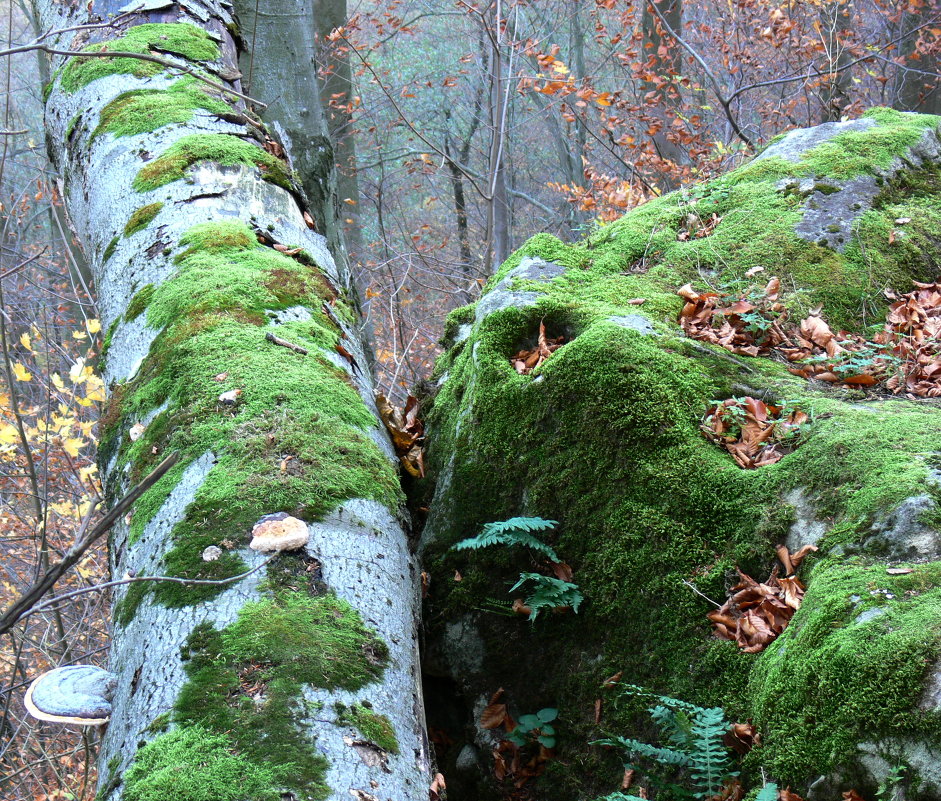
pixel 754 433
pixel 528 360
pixel 757 612
pixel 904 358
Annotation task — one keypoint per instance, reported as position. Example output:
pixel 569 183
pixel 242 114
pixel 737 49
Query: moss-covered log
pixel 299 680
pixel 604 437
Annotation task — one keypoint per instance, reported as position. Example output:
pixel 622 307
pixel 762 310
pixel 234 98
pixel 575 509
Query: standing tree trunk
pixel 498 210
pixel 917 86
pixel 665 58
pixel 232 341
pixel 337 84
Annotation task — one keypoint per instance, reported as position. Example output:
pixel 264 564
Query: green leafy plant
pixel 535 728
pixel 548 593
pixel 768 793
pixel 515 531
pixel 694 744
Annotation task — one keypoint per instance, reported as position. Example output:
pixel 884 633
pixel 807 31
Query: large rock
pixel 604 437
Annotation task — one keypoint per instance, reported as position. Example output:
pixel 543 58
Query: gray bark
pixel 360 545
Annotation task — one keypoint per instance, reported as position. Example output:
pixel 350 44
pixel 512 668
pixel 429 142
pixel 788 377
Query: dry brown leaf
pixel 899 571
pixel 611 681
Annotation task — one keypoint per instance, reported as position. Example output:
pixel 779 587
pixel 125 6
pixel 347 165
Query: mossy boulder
pixel 604 437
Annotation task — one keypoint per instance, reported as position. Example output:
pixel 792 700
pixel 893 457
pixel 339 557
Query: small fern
pixel 768 793
pixel 549 593
pixel 694 737
pixel 515 531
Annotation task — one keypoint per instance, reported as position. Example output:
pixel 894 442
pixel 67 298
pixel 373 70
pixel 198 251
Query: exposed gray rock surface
pixel 503 295
pixel 833 206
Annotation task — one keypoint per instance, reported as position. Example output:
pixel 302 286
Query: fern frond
pixel 515 531
pixel 665 756
pixel 768 793
pixel 521 524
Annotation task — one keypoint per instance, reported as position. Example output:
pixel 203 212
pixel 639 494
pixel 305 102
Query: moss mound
pixel 604 437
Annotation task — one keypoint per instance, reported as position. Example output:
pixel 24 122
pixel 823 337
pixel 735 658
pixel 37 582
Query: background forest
pixel 460 130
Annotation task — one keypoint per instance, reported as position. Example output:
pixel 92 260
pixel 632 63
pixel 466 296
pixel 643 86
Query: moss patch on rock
pixel 246 680
pixel 178 39
pixel 850 667
pixel 227 150
pixel 141 218
pixel 604 437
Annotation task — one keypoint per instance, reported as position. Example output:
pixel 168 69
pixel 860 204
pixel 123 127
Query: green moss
pixel 144 110
pixel 179 39
pixel 141 218
pixel 374 727
pixel 109 251
pixel 859 152
pixel 212 318
pixel 139 302
pixel 274 646
pixel 106 343
pixel 319 641
pixel 850 667
pixel 126 608
pixel 193 764
pixel 225 149
pixel 604 437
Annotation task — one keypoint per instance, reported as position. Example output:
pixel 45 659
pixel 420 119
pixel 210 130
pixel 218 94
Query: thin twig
pixel 23 605
pixel 107 585
pixel 285 344
pixel 701 595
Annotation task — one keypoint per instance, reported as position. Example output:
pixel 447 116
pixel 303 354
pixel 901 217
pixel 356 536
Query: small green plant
pixel 694 737
pixel 549 593
pixel 535 728
pixel 768 793
pixel 895 776
pixel 515 531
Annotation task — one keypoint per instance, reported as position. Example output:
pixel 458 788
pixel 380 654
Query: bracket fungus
pixel 78 694
pixel 279 532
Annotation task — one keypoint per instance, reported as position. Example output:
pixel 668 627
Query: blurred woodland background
pixel 460 129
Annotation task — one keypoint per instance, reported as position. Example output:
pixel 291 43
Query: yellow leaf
pixel 93 326
pixel 72 446
pixel 8 434
pixel 21 373
pixel 25 342
pixel 79 373
pixel 79 335
pixel 57 382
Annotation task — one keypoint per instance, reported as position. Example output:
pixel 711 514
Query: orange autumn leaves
pixel 904 358
pixel 753 432
pixel 407 433
pixel 757 612
pixel 529 359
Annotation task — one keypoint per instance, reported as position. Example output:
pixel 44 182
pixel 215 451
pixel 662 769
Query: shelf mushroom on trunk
pixel 78 694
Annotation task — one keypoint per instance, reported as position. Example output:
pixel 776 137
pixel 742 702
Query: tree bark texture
pixel 301 678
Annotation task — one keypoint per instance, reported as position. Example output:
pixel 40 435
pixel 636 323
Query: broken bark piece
pixel 279 532
pixel 78 694
pixel 285 344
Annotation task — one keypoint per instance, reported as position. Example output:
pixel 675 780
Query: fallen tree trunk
pixel 232 340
